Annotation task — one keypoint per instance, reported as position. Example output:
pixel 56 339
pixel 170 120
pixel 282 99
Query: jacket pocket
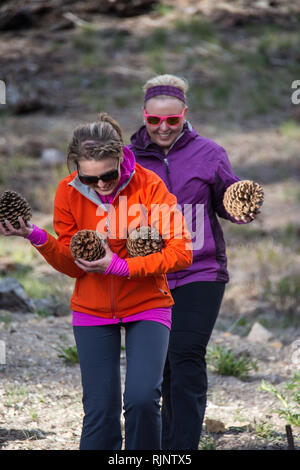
pixel 92 291
pixel 161 284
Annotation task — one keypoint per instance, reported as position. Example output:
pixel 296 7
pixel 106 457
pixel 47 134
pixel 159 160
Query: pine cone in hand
pixel 243 199
pixel 12 206
pixel 87 245
pixel 143 241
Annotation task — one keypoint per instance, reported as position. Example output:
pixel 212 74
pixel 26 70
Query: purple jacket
pixel 197 171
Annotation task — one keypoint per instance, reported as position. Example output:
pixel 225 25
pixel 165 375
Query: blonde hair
pixel 167 80
pixel 96 141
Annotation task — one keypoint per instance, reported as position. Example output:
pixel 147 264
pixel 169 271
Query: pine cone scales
pixel 143 241
pixel 12 206
pixel 243 198
pixel 88 245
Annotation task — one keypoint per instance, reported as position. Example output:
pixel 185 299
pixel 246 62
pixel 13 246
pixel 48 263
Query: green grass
pixel 162 10
pixel 196 28
pixel 97 102
pixel 157 40
pixel 86 40
pixel 223 362
pixel 5 318
pixel 207 443
pixel 288 395
pixel 14 394
pixel 271 257
pixel 15 164
pixel 35 285
pixel 237 76
pixel 289 236
pixel 68 354
pixel 263 430
pixel 18 250
pixel 284 295
pixel 290 129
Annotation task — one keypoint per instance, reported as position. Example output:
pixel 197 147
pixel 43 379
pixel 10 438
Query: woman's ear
pixel 143 109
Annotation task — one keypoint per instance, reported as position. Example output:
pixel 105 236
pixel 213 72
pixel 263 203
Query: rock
pixel 295 352
pixel 259 334
pixel 276 344
pixel 2 353
pixel 22 15
pixel 15 20
pixel 213 425
pixel 123 7
pixel 52 157
pixel 62 25
pixel 51 306
pixel 6 265
pixel 32 146
pixel 13 296
pixel 24 98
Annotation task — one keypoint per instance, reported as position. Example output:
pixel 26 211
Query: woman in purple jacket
pixel 197 171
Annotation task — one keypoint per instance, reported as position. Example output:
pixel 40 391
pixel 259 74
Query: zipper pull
pixel 167 164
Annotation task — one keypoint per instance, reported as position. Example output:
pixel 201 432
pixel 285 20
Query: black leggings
pixel 99 356
pixel 184 386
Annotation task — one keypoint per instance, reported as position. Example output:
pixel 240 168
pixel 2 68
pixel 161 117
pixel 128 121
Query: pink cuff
pixel 37 237
pixel 118 266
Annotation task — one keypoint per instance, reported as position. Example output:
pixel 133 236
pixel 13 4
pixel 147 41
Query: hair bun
pixel 104 117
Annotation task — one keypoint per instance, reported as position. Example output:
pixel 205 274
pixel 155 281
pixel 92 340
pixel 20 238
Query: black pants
pixel 99 356
pixel 184 386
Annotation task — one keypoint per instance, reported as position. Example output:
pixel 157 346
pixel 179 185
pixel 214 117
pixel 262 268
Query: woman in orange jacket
pixel 105 193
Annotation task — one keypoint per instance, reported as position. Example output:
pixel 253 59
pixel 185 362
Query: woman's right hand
pixel 8 230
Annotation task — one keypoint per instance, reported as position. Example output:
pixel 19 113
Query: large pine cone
pixel 87 245
pixel 12 206
pixel 143 241
pixel 243 198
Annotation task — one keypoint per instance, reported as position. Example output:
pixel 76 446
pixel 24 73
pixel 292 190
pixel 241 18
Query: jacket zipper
pixel 112 301
pixel 112 292
pixel 168 172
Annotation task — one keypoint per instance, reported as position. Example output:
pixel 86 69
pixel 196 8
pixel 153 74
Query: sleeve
pixel 167 218
pixel 223 178
pixel 118 267
pixel 56 251
pixel 38 236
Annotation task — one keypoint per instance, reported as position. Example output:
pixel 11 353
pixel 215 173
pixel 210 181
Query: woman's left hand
pixel 98 266
pixel 8 230
pixel 248 218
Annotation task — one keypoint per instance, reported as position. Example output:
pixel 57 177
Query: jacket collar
pixel 127 172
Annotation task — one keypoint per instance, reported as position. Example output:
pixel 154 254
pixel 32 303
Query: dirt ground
pixel 58 76
pixel 40 403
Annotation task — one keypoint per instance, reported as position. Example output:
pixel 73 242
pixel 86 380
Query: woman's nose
pixel 164 126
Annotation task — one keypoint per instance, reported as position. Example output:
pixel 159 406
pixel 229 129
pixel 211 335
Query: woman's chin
pixel 106 191
pixel 164 141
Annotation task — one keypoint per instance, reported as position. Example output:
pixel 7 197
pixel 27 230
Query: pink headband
pixel 164 90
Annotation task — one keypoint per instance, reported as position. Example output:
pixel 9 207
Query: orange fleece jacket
pixel 76 207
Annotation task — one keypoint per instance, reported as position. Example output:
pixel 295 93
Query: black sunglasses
pixel 106 177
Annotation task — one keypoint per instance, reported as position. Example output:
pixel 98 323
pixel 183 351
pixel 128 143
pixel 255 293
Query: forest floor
pixel 240 64
pixel 40 395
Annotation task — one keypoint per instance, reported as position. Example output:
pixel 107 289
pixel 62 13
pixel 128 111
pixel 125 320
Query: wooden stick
pixel 77 21
pixel 290 438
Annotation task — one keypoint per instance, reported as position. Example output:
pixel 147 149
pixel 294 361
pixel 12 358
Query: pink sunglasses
pixel 156 119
